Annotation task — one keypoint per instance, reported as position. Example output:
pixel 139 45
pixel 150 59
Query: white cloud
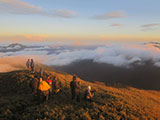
pixel 111 15
pixel 116 25
pixel 116 54
pixel 24 8
pixel 64 13
pixel 19 7
pixel 152 26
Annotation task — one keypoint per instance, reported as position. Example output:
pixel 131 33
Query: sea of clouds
pixel 121 55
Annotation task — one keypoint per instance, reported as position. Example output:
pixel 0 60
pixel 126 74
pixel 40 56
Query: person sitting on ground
pixel 74 85
pixel 88 95
pixel 56 84
pixel 28 64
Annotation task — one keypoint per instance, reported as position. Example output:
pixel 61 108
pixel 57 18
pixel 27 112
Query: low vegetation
pixel 110 103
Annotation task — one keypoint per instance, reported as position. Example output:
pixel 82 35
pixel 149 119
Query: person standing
pixel 28 65
pixel 49 81
pixel 41 72
pixel 32 66
pixel 74 85
pixel 34 83
pixel 56 85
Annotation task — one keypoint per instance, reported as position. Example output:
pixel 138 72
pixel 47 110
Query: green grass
pixel 110 103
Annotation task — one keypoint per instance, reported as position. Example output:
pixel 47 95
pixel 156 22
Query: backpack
pixel 43 86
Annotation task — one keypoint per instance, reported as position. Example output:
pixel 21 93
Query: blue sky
pixel 141 8
pixel 129 20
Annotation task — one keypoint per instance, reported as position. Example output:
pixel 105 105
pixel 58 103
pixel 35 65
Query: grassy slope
pixel 114 103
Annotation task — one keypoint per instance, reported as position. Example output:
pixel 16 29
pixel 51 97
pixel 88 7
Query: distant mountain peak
pixel 15 45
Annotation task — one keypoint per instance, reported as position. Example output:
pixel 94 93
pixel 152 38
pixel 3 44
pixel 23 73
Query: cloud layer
pixel 19 7
pixel 122 55
pixel 118 55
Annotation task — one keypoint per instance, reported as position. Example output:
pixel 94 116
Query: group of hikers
pixel 30 65
pixel 44 85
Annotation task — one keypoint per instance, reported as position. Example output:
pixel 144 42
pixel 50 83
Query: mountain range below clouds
pixel 15 47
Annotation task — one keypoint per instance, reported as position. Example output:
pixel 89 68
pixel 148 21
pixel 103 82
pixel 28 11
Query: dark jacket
pixel 56 84
pixel 32 64
pixel 74 85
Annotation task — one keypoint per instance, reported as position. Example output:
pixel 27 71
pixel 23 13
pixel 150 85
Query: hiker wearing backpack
pixel 32 66
pixel 88 94
pixel 74 85
pixel 28 64
pixel 44 87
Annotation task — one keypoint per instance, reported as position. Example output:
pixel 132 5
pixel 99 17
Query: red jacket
pixel 49 81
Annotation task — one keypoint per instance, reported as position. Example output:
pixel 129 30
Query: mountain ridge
pixel 109 102
pixel 142 76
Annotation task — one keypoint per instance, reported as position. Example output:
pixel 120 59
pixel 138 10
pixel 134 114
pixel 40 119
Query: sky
pixel 79 21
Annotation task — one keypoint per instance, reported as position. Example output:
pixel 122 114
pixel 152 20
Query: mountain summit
pixel 109 103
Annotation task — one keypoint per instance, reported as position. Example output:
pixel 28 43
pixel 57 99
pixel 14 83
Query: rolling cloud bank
pixel 121 55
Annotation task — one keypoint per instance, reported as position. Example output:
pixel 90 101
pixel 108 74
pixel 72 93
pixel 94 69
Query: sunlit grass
pixel 113 103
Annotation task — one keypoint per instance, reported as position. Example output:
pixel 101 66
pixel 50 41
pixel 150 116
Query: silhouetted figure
pixel 32 66
pixel 28 65
pixel 41 72
pixel 34 83
pixel 74 85
pixel 49 81
pixel 88 95
pixel 56 84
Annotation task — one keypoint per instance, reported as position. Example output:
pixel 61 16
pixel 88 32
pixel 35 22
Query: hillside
pixel 141 76
pixel 110 103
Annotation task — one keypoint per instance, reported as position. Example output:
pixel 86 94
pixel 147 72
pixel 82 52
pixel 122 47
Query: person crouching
pixel 88 95
pixel 44 88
